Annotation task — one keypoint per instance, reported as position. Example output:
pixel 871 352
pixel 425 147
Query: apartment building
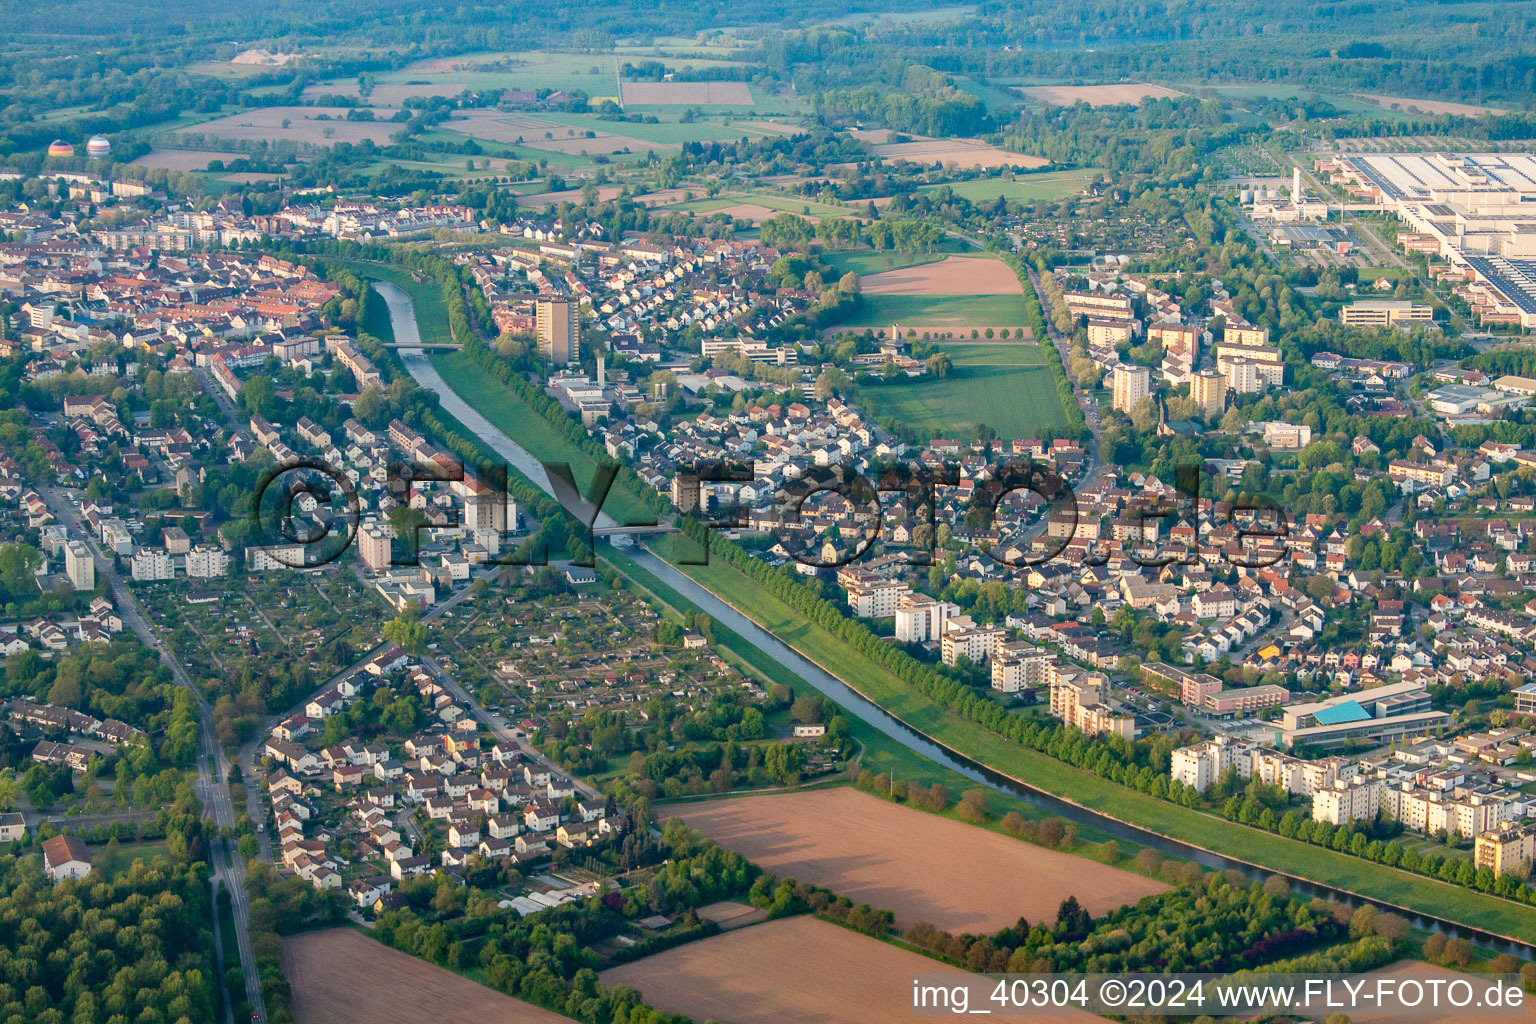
pixel 1200 765
pixel 1208 390
pixel 80 565
pixel 920 619
pixel 1506 849
pixel 559 332
pixel 877 598
pixel 976 643
pixel 1081 699
pixel 1349 800
pixel 1130 384
pixel 1022 666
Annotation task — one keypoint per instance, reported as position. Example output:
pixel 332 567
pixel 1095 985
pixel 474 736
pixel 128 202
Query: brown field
pixel 1424 971
pixel 341 976
pixel 183 159
pixel 389 94
pixel 730 915
pixel 953 275
pixel 796 970
pixel 670 196
pixel 499 126
pixel 756 214
pixel 543 199
pixel 960 152
pixel 735 94
pixel 1097 95
pixel 770 127
pixel 1427 106
pixel 921 866
pixel 303 127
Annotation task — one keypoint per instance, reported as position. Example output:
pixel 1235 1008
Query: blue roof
pixel 1349 711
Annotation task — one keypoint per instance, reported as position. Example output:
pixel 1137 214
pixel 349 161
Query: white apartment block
pixel 151 564
pixel 920 619
pixel 974 642
pixel 207 562
pixel 1014 670
pixel 1431 811
pixel 1130 384
pixel 876 599
pixel 1343 802
pixel 1200 765
pixel 80 565
pixel 1081 700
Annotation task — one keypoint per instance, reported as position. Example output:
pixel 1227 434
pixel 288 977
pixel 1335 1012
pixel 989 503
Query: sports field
pixel 956 313
pixel 1006 385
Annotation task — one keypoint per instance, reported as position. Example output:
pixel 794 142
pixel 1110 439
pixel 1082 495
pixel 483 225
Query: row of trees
pixel 1117 760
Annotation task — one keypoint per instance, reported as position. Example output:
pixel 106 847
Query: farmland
pixel 960 152
pixel 735 94
pixel 953 275
pixel 1097 95
pixel 795 970
pixel 310 126
pixel 893 857
pixel 341 976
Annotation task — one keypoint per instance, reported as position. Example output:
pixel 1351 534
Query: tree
pixel 938 365
pixel 407 631
pixel 18 567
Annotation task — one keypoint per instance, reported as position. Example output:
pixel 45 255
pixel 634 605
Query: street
pixel 212 768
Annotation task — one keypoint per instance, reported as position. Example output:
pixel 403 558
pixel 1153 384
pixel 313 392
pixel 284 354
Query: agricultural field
pixel 1430 107
pixel 527 70
pixel 952 275
pixel 795 970
pixel 1132 93
pixel 340 976
pixel 960 152
pixel 762 205
pixel 183 159
pixel 954 315
pixel 688 94
pixel 312 126
pixel 901 859
pixel 1007 386
pixel 1426 973
pixel 1028 188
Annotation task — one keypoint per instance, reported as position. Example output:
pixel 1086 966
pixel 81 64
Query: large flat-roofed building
pixel 1385 313
pixel 1376 716
pixel 1477 210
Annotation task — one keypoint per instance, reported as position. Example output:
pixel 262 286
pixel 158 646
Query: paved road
pixel 212 768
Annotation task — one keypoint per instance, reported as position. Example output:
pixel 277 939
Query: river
pixel 402 313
